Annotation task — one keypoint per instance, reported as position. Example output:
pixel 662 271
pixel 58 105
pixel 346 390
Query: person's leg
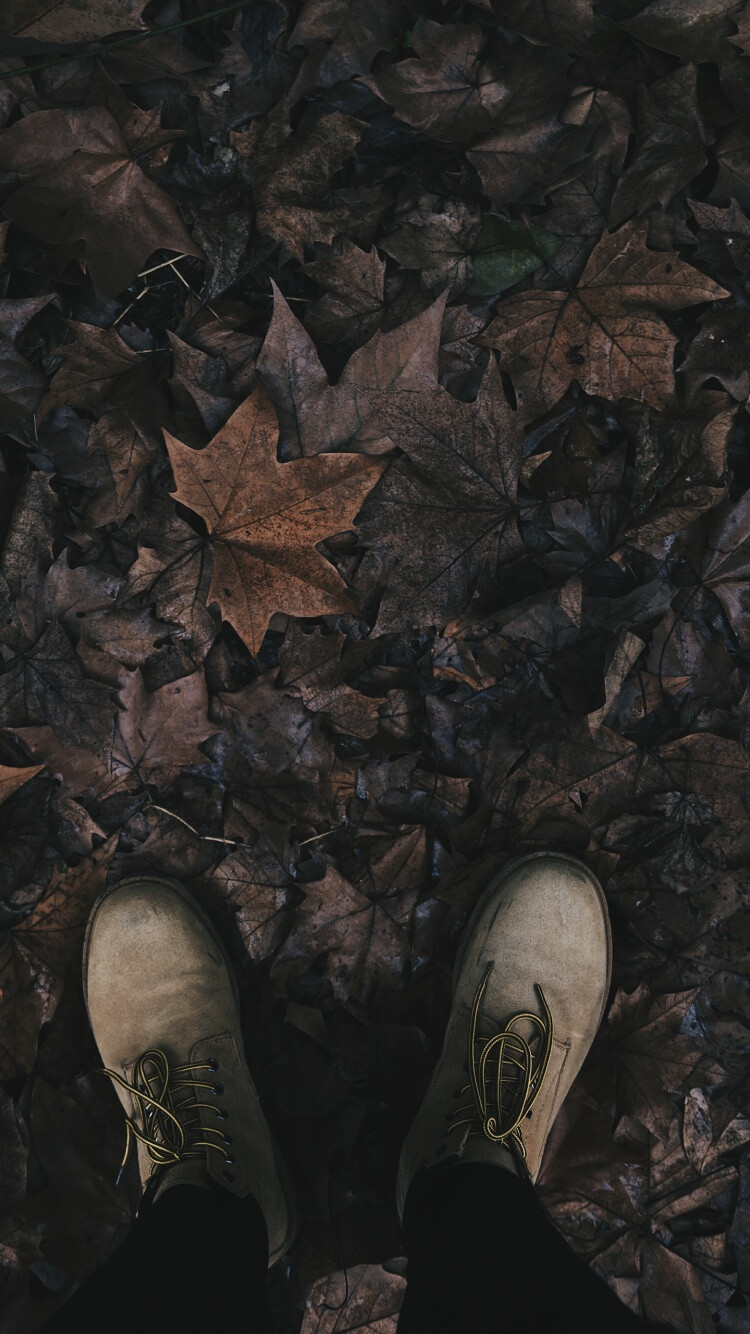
pixel 218 1207
pixel 483 1256
pixel 529 992
pixel 195 1260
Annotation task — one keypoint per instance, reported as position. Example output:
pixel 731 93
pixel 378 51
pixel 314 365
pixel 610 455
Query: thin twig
pixel 191 289
pixel 124 312
pixel 176 260
pixel 316 837
pixel 207 838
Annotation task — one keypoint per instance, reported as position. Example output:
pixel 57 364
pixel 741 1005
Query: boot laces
pixel 505 1074
pixel 171 1127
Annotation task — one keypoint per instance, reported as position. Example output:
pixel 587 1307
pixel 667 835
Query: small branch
pixel 315 838
pixel 207 838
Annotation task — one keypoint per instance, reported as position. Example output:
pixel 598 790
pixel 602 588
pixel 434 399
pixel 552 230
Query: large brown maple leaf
pixel 607 333
pixel 266 518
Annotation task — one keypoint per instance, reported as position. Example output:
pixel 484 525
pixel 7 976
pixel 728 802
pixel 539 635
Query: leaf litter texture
pixel 374 506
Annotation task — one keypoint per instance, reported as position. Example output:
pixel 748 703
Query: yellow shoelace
pixel 171 1129
pixel 515 1064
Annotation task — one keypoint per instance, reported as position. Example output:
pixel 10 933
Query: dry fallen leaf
pixel 70 20
pixel 35 956
pixel 607 334
pixel 266 518
pixel 505 249
pixel 11 779
pixel 79 183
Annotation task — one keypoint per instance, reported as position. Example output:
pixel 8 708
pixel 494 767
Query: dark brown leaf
pixel 607 334
pixel 81 184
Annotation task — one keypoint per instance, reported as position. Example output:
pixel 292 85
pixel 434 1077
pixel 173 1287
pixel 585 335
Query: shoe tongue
pixel 190 1172
pixel 478 1149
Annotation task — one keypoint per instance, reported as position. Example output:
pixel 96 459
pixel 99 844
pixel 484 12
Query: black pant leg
pixel 483 1256
pixel 196 1260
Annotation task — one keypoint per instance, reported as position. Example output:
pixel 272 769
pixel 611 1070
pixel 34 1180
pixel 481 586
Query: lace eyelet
pixel 217 1088
pixel 227 1139
pixel 212 1063
pixel 222 1113
pixel 229 1158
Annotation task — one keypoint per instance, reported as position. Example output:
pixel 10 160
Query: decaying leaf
pixel 607 334
pixel 79 183
pixel 35 956
pixel 443 316
pixel 445 516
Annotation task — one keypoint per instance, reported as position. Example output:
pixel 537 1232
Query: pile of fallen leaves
pixel 374 504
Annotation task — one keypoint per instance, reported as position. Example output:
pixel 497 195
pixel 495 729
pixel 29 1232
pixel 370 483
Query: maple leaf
pixel 726 569
pixel 541 131
pixel 681 471
pixel 173 570
pixel 343 36
pixel 364 1297
pixel 256 884
pixel 579 206
pixel 288 173
pixel 311 665
pixel 444 90
pixel 158 732
pixel 672 1290
pixel 83 600
pixel 558 665
pixel 724 234
pixel 99 371
pixel 266 517
pixel 69 20
pixel 569 24
pixel 315 416
pixel 506 251
pixel 362 927
pixel 606 334
pixel 733 159
pixel 35 956
pixel 654 1058
pixel 435 236
pixel 352 307
pixel 716 353
pixel 11 779
pixel 694 30
pixel 445 515
pixel 46 684
pixel 128 449
pixel 669 148
pixel 81 184
pixel 21 384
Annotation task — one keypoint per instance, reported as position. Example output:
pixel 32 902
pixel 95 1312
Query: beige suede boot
pixel 163 1004
pixel 529 990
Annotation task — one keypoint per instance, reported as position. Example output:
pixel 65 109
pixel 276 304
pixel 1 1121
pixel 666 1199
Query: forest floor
pixel 451 303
